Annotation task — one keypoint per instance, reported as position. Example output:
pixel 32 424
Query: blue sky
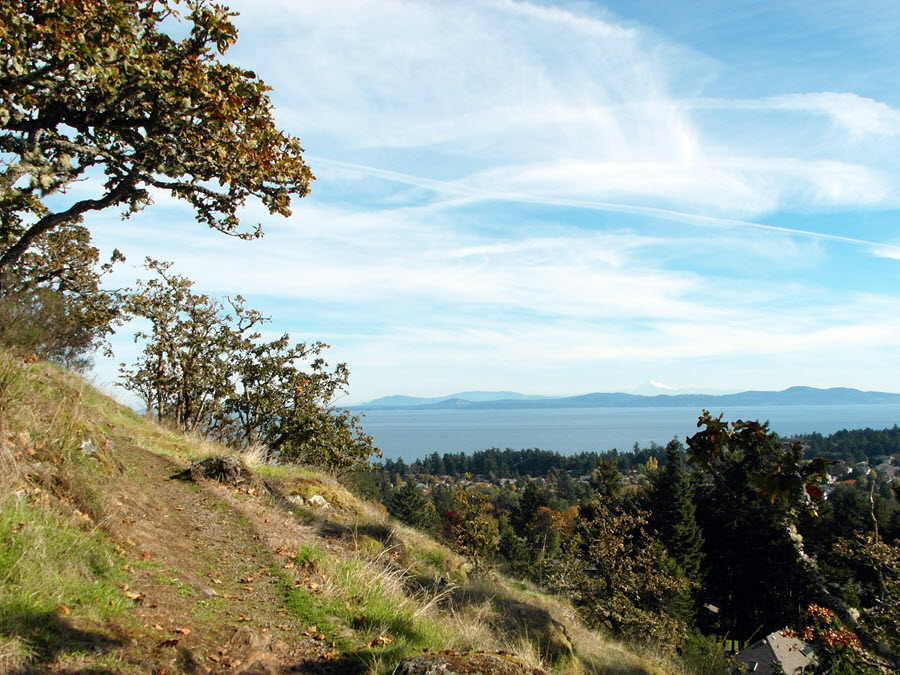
pixel 558 198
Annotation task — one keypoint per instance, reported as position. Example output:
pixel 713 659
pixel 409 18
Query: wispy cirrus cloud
pixel 860 116
pixel 533 192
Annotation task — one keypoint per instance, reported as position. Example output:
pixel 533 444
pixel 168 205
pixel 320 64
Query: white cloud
pixel 887 251
pixel 507 189
pixel 859 115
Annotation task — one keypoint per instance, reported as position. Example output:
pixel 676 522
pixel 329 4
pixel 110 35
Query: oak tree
pixel 205 368
pixel 100 92
pixel 183 375
pixel 53 305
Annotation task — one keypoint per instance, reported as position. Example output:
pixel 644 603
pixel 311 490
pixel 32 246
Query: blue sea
pixel 412 434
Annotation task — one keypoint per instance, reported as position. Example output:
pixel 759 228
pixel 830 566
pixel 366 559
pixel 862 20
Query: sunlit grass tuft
pixel 50 568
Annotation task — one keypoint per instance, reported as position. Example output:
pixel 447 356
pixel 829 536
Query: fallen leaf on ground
pixel 183 631
pixel 169 643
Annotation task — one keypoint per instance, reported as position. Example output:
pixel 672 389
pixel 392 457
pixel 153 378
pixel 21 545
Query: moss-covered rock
pixel 368 545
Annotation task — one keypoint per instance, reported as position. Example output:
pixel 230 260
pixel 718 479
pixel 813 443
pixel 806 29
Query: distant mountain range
pixel 507 400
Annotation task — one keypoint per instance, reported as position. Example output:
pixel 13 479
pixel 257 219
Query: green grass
pixel 182 589
pixel 56 565
pixel 389 599
pixel 311 557
pixel 367 597
pixel 50 568
pixel 306 515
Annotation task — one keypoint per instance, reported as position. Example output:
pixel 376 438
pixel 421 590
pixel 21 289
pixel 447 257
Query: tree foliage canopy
pixel 52 304
pixel 205 368
pixel 98 90
pixel 747 459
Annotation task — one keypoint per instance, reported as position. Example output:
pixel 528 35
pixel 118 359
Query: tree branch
pixel 73 213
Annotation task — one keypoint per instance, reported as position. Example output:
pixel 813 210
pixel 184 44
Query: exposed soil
pixel 208 566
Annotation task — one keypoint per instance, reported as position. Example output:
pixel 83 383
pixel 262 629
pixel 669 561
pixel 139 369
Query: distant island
pixel 504 400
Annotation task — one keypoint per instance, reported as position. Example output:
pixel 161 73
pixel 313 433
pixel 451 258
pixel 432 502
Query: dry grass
pixel 385 579
pixel 256 456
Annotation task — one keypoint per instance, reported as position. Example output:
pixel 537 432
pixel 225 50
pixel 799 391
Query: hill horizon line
pixel 500 400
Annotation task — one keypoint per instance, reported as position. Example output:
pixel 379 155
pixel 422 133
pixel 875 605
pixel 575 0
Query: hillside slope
pixel 114 559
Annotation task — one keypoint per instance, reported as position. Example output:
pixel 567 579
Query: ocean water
pixel 412 434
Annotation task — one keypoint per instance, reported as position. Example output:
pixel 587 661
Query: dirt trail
pixel 208 566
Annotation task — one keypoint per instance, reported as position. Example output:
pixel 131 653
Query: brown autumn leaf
pixel 137 597
pixel 183 631
pixel 171 642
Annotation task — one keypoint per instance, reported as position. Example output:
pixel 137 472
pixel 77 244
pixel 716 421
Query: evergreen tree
pixel 754 570
pixel 511 548
pixel 409 505
pixel 607 480
pixel 443 500
pixel 532 498
pixel 674 513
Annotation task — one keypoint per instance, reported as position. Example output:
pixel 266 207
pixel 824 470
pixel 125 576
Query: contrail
pixel 665 214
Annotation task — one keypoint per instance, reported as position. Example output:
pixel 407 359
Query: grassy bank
pixel 111 561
